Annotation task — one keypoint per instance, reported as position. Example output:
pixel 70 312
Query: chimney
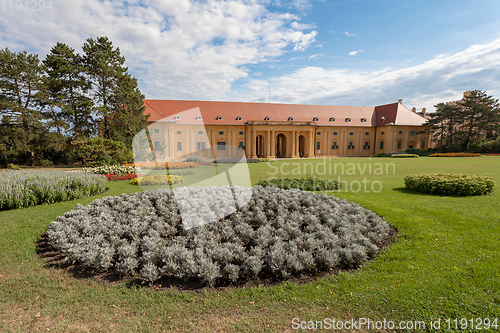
pixel 414 110
pixel 400 101
pixel 424 111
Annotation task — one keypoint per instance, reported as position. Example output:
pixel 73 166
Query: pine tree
pixel 21 82
pixel 104 65
pixel 66 100
pixel 128 110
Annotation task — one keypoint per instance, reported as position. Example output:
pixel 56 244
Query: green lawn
pixel 444 263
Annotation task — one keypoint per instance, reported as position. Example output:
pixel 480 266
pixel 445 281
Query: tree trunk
pixel 5 160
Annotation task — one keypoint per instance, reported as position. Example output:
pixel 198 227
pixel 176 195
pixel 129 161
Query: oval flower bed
pixel 157 180
pixel 306 184
pixel 126 176
pixel 450 184
pixel 455 155
pixel 279 233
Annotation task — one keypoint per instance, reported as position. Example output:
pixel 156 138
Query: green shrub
pixel 12 166
pixel 379 155
pixel 404 156
pixel 450 184
pixel 420 152
pixel 306 184
pixel 98 151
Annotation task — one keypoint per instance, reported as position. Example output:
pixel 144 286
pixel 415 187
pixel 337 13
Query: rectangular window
pixel 334 133
pixel 367 133
pixel 200 132
pixel 381 144
pixel 319 133
pixel 412 133
pixel 200 145
pixel 410 146
pixel 334 145
pixel 382 133
pixel 221 145
pixel 179 145
pixel 156 130
pixel 399 144
pixel 366 146
pixel 400 132
pixel 423 145
pixel 352 133
pixel 221 132
pixel 240 145
pixel 157 145
pixel 318 145
pixel 241 133
pixel 351 145
pixel 179 132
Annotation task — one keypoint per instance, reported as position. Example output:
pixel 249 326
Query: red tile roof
pixel 227 113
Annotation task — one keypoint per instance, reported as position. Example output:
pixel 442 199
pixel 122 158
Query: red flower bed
pixel 126 176
pixel 493 154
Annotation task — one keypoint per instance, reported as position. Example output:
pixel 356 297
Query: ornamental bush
pixel 455 155
pixel 112 169
pixel 280 233
pixel 379 155
pixel 157 180
pixel 125 176
pixel 20 189
pixel 450 184
pixel 163 165
pixel 306 184
pixel 404 156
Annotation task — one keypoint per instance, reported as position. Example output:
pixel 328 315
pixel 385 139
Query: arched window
pixel 315 119
pixel 290 118
pixel 347 120
pixel 332 119
pixel 237 118
pixel 219 117
pixel 267 119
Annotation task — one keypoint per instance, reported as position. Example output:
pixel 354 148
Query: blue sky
pixel 340 52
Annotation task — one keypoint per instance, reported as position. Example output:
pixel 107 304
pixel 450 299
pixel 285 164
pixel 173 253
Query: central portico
pixel 281 139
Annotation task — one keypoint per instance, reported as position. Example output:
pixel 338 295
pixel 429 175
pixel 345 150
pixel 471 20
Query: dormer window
pixel 315 119
pixel 267 119
pixel 219 117
pixel 347 120
pixel 177 117
pixel 198 118
pixel 383 118
pixel 290 118
pixel 363 120
pixel 332 119
pixel 237 118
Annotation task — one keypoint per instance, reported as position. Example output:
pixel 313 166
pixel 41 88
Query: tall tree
pixel 21 81
pixel 104 65
pixel 446 123
pixel 480 114
pixel 128 116
pixel 65 100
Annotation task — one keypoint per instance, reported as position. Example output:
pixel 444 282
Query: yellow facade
pixel 282 139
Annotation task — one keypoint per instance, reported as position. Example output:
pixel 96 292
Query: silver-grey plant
pixel 280 233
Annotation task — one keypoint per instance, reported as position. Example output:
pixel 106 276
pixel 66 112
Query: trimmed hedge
pixel 455 155
pixel 405 156
pixel 379 155
pixel 450 184
pixel 236 160
pixel 305 184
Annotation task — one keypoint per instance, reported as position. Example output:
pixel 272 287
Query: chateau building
pixel 185 128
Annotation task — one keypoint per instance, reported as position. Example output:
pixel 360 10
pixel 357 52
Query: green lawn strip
pixel 443 264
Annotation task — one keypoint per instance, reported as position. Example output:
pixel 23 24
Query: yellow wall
pixel 189 136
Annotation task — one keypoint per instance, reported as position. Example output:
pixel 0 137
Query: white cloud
pixel 441 79
pixel 314 56
pixel 177 49
pixel 353 53
pixel 349 34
